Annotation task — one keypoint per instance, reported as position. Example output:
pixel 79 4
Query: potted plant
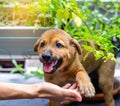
pixel 90 21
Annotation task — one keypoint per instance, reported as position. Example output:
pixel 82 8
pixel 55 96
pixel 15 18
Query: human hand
pixel 63 95
pixel 71 87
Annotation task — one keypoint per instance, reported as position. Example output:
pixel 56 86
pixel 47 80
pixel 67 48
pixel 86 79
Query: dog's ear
pixel 36 45
pixel 77 46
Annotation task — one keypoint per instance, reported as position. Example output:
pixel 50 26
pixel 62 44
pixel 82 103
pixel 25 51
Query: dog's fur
pixel 57 47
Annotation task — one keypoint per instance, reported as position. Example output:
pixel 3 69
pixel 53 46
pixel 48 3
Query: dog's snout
pixel 46 56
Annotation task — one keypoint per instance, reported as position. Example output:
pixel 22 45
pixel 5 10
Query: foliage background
pixel 84 20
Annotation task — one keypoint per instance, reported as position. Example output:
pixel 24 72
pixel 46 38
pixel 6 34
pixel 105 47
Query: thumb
pixel 72 94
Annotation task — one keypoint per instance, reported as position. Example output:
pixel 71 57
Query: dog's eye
pixel 42 44
pixel 59 45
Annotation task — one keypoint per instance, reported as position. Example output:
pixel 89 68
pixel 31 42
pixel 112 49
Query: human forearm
pixel 16 91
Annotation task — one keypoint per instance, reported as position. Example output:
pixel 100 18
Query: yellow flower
pixel 77 20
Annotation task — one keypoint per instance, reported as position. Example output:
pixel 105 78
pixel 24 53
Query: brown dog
pixel 62 60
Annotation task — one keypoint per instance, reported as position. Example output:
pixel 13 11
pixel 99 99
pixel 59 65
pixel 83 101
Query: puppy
pixel 63 62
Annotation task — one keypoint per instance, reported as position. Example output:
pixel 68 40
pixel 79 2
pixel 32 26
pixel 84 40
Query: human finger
pixel 72 95
pixel 66 86
pixel 74 86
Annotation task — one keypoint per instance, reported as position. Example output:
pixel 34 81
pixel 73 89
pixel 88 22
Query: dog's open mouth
pixel 52 66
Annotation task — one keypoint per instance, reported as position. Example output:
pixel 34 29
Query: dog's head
pixel 56 50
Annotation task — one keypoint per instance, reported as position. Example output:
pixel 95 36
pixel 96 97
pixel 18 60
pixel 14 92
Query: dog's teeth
pixel 56 62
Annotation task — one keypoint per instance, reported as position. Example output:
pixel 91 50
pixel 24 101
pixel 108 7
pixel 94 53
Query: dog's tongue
pixel 48 67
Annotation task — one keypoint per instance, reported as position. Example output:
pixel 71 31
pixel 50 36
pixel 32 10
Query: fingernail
pixel 79 99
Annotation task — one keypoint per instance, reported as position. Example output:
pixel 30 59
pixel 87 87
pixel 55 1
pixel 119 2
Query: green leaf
pixel 14 62
pixel 62 14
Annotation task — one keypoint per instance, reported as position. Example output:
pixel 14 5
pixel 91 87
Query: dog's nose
pixel 46 56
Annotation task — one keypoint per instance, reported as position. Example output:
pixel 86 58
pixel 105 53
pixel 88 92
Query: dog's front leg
pixel 85 86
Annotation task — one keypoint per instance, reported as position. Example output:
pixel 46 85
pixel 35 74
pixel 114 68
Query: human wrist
pixel 26 91
pixel 34 90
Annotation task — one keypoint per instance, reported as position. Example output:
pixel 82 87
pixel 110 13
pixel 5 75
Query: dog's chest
pixel 59 79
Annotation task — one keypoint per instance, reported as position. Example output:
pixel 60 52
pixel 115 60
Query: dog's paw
pixel 86 89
